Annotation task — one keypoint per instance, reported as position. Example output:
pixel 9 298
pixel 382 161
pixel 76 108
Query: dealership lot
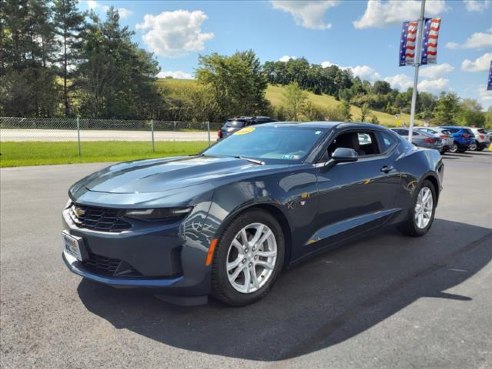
pixel 383 302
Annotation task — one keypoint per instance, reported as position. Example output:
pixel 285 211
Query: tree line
pixel 56 61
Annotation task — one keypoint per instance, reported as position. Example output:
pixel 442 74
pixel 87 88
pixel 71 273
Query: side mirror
pixel 344 155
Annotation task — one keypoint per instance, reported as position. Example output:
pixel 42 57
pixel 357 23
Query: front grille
pixel 98 219
pixel 109 266
pixel 101 264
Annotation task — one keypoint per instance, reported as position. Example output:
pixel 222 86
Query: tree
pixel 237 82
pixel 344 109
pixel 68 23
pixel 381 87
pixel 364 112
pixel 446 108
pixel 117 79
pixel 294 99
pixel 470 113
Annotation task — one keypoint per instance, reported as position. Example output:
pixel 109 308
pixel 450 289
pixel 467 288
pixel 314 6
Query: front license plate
pixel 72 245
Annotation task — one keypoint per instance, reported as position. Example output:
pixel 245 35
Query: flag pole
pixel 418 53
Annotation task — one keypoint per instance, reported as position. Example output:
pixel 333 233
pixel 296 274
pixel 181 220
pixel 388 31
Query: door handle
pixel 387 169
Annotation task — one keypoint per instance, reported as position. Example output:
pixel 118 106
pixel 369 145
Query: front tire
pixel 248 259
pixel 421 215
pixel 453 148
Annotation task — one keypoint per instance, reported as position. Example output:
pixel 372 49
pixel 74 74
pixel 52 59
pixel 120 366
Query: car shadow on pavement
pixel 314 305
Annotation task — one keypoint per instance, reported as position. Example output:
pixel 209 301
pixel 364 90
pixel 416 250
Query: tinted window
pixel 387 141
pixel 260 142
pixel 401 132
pixel 235 123
pixel 364 143
pixel 481 130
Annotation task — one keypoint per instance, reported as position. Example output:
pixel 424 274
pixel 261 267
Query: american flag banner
pixel 489 83
pixel 408 41
pixel 430 34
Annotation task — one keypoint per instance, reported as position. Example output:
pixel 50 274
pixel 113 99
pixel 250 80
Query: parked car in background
pixel 482 140
pixel 446 137
pixel 463 137
pixel 421 139
pixel 235 124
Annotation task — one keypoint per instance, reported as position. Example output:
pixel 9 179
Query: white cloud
pixel 286 58
pixel 477 5
pixel 403 82
pixel 484 96
pixel 477 40
pixel 436 70
pixel 379 14
pixel 365 72
pixel 175 33
pixel 174 74
pixel 480 64
pixel 399 81
pixel 327 64
pixel 433 85
pixel 94 5
pixel 308 14
pixel 124 13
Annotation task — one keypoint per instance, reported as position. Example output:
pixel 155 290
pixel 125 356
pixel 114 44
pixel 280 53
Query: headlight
pixel 158 214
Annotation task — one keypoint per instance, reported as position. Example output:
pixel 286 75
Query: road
pixel 54 135
pixel 384 302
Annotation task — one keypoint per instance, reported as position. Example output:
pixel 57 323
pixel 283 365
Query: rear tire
pixel 473 146
pixel 243 271
pixel 421 215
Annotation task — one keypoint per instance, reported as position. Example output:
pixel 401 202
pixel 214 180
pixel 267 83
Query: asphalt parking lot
pixel 383 302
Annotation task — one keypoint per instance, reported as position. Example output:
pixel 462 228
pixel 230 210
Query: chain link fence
pixel 80 130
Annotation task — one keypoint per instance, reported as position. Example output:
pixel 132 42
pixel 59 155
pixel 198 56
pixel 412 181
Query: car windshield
pixel 269 142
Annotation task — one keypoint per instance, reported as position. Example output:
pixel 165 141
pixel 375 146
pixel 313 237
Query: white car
pixel 482 140
pixel 446 137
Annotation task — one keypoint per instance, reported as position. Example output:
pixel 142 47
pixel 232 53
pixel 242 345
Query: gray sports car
pixel 226 221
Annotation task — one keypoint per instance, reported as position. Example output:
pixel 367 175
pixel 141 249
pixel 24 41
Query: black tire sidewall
pixel 221 287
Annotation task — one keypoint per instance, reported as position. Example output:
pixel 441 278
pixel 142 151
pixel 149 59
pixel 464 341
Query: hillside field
pixel 274 95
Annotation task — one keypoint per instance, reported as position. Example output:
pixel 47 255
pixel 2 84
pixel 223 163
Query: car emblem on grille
pixel 79 212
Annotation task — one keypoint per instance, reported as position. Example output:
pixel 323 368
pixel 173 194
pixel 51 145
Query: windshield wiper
pixel 254 161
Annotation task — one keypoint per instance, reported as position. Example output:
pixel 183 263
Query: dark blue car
pixel 227 221
pixel 463 138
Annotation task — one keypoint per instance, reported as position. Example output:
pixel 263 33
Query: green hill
pixel 274 95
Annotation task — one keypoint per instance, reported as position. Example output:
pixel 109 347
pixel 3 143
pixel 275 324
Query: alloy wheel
pixel 424 207
pixel 251 258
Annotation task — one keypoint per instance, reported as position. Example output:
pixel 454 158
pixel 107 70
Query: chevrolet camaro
pixel 225 222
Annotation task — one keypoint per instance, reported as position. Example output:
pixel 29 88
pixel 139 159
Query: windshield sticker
pixel 245 131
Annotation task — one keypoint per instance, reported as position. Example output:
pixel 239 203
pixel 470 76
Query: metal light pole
pixel 418 54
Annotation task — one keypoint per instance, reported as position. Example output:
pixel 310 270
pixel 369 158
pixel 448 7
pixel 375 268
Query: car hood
pixel 176 179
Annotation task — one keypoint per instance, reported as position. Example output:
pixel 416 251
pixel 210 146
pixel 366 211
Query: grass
pixel 274 95
pixel 42 153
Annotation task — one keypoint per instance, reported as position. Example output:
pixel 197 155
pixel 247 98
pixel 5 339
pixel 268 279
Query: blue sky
pixel 360 35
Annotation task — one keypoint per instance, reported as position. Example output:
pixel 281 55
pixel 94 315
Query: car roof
pixel 325 125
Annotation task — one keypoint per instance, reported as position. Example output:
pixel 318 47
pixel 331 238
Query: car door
pixel 358 196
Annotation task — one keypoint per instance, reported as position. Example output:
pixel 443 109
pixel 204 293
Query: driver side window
pixel 363 142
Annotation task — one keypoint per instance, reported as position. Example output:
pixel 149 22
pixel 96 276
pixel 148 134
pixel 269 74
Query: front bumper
pixel 157 257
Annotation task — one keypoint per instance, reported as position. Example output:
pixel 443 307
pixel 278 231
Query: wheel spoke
pixel 234 264
pixel 236 273
pixel 244 236
pixel 254 278
pixel 247 278
pixel 237 245
pixel 265 264
pixel 266 254
pixel 265 237
pixel 259 232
